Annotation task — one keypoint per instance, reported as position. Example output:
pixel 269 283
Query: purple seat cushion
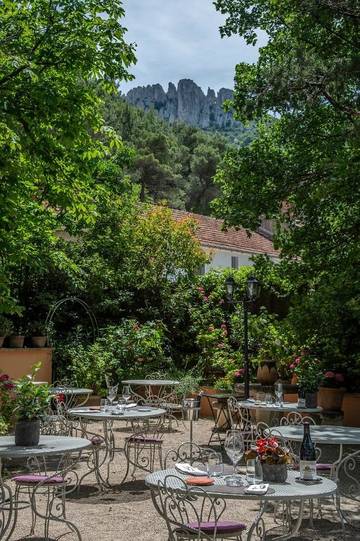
pixel 31 479
pixel 145 439
pixel 223 526
pixel 323 467
pixel 97 440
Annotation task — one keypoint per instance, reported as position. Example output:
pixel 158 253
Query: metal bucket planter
pixel 311 400
pixel 274 473
pixel 16 341
pixel 27 433
pixel 38 341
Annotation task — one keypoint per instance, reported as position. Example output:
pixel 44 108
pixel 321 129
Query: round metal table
pixel 72 396
pixel 154 389
pixel 271 413
pixel 48 445
pixel 287 492
pixel 323 435
pixel 135 414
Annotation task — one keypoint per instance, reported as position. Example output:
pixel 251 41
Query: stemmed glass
pixel 126 393
pixel 235 448
pixel 279 393
pixel 111 394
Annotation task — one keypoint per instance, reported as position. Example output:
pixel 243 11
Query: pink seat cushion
pixel 31 479
pixel 223 527
pixel 97 440
pixel 144 439
pixel 323 467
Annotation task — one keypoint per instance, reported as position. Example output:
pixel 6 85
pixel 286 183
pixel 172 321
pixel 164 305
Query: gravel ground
pixel 127 513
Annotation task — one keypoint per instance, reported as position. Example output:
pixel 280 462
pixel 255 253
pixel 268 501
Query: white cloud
pixel 180 39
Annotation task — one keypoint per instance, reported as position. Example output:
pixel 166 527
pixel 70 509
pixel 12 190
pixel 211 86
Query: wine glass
pixel 235 448
pixel 279 393
pixel 111 394
pixel 126 393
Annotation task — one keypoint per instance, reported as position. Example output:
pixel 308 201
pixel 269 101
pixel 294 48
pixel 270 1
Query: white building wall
pixel 222 259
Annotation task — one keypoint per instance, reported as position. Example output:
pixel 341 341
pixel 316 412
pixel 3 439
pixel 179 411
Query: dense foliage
pixel 302 169
pixel 53 139
pixel 173 162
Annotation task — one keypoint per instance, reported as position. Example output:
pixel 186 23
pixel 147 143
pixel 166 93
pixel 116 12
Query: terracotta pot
pixel 294 379
pixel 266 373
pixel 39 341
pixel 16 341
pixel 27 433
pixel 274 473
pixel 331 399
pixel 2 338
pixel 311 400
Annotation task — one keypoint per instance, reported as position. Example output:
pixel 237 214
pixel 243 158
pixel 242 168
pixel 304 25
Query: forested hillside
pixel 172 162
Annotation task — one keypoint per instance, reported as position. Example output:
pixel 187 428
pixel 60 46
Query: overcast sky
pixel 179 39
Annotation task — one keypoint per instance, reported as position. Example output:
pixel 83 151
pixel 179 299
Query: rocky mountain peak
pixel 186 103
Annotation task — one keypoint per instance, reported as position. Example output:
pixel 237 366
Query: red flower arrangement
pixel 239 375
pixel 270 451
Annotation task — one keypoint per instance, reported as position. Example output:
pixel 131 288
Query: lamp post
pixel 251 293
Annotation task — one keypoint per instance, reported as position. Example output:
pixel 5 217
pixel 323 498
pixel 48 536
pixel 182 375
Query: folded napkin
pixel 257 489
pixel 199 481
pixel 187 469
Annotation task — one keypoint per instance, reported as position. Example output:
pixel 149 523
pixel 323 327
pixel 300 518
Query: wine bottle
pixel 307 456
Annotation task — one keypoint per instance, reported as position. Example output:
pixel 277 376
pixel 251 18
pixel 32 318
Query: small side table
pixel 221 415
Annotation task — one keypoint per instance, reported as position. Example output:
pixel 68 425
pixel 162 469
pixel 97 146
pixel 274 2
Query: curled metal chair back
pixel 185 509
pixel 347 477
pixel 295 418
pixel 187 452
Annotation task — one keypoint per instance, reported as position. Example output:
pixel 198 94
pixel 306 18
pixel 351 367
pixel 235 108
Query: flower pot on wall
pixel 2 338
pixel 27 433
pixel 331 399
pixel 16 341
pixel 39 341
pixel 267 373
pixel 311 400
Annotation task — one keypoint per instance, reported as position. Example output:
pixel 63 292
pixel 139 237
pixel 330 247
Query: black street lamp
pixel 251 294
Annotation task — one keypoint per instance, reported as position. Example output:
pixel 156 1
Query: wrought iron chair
pixel 296 418
pixel 187 452
pixel 190 513
pixel 347 477
pixel 241 420
pixel 50 488
pixel 144 447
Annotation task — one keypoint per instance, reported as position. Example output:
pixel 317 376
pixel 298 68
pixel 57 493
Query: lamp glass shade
pixel 253 288
pixel 230 286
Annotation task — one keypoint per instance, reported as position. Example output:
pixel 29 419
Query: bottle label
pixel 308 470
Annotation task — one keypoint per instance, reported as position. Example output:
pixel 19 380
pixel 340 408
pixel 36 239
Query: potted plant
pixel 332 390
pixel 5 329
pixel 273 457
pixel 309 375
pixel 239 380
pixel 31 403
pixel 38 334
pixel 17 340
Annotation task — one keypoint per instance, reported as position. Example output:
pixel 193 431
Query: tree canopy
pixel 53 139
pixel 302 169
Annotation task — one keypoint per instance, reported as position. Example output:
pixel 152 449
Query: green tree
pixel 302 169
pixel 54 56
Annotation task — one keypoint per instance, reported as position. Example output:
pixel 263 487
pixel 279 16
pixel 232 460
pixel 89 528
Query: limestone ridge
pixel 186 103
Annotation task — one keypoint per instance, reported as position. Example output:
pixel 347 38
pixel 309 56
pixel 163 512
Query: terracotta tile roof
pixel 210 233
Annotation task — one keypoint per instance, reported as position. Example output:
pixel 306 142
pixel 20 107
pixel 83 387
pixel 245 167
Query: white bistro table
pixel 275 411
pixel 289 491
pixel 154 389
pixel 48 446
pixel 323 435
pixel 134 415
pixel 72 396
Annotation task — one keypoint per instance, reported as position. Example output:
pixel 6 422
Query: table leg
pixel 8 514
pixel 258 527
